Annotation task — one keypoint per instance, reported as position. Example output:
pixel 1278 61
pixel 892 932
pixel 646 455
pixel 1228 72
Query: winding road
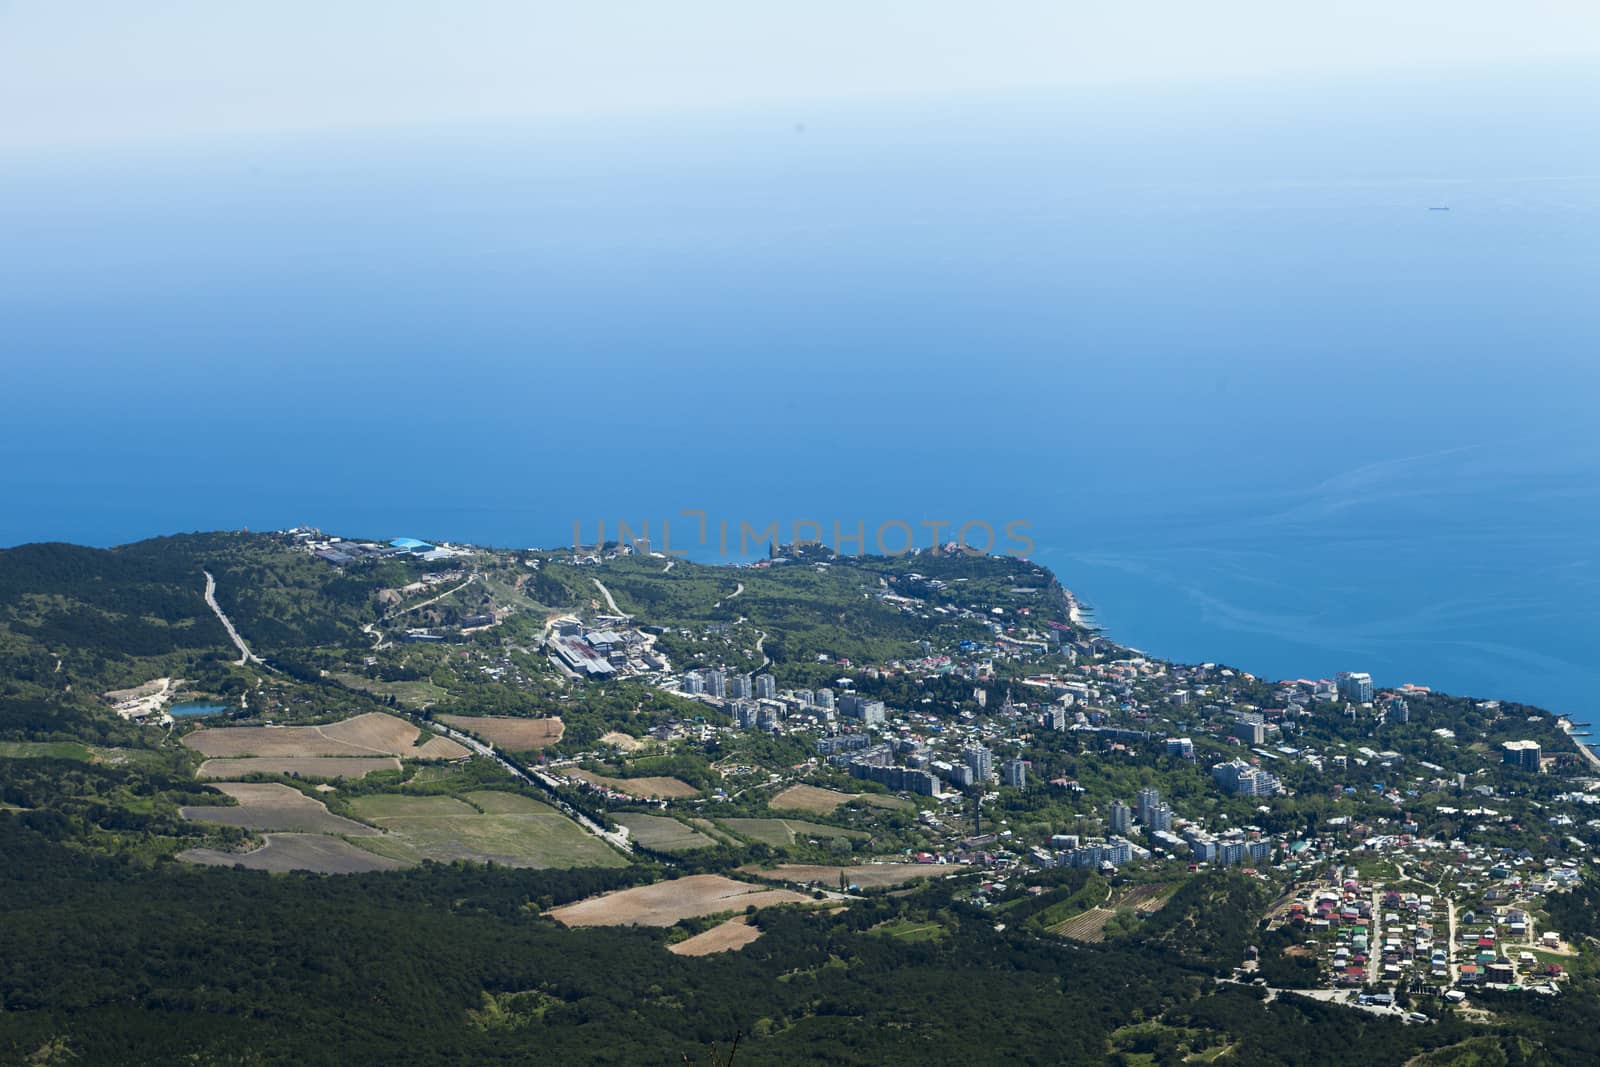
pixel 245 655
pixel 610 602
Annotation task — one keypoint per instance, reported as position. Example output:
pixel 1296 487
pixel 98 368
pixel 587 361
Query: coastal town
pixel 1409 842
pixel 1025 741
pixel 937 748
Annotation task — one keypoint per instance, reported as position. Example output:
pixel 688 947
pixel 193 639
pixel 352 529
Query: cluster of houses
pixel 1427 942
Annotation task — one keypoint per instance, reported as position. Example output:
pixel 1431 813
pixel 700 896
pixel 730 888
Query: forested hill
pixel 73 617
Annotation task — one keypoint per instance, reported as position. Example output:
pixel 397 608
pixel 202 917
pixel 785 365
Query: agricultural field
pixel 298 766
pixel 730 936
pixel 712 830
pixel 296 852
pixel 1088 926
pixel 818 801
pixel 644 788
pixel 509 732
pixel 865 875
pixel 270 806
pixel 782 832
pixel 662 833
pixel 665 903
pixel 482 827
pixel 372 734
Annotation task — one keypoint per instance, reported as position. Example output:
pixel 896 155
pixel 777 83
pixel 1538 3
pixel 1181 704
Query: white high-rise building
pixel 1355 686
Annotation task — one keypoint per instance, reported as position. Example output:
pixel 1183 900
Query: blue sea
pixel 1257 399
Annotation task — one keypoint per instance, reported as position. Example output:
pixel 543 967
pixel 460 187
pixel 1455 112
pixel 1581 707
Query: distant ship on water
pixel 1438 209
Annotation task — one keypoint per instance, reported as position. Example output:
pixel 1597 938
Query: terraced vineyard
pixel 1090 926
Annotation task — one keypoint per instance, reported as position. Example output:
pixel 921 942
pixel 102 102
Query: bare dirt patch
pixel 509 732
pixel 296 852
pixel 865 875
pixel 664 903
pixel 663 788
pixel 808 798
pixel 372 734
pixel 618 739
pixel 724 937
pixel 270 806
pixel 298 766
pixel 144 700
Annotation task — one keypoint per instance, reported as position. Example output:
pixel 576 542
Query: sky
pixel 105 73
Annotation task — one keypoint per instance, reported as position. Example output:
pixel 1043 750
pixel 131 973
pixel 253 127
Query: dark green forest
pixel 108 962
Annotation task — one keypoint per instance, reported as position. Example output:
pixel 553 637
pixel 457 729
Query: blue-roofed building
pixel 410 544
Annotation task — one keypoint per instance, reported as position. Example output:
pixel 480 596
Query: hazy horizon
pixel 103 74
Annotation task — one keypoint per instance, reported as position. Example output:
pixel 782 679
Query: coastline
pixel 1584 750
pixel 1075 611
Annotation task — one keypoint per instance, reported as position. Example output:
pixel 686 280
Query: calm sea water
pixel 1259 402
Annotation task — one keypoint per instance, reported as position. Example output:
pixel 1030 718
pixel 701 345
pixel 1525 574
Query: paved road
pixel 1375 943
pixel 543 781
pixel 610 601
pixel 245 655
pixel 371 630
pixel 1450 934
pixel 1450 918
